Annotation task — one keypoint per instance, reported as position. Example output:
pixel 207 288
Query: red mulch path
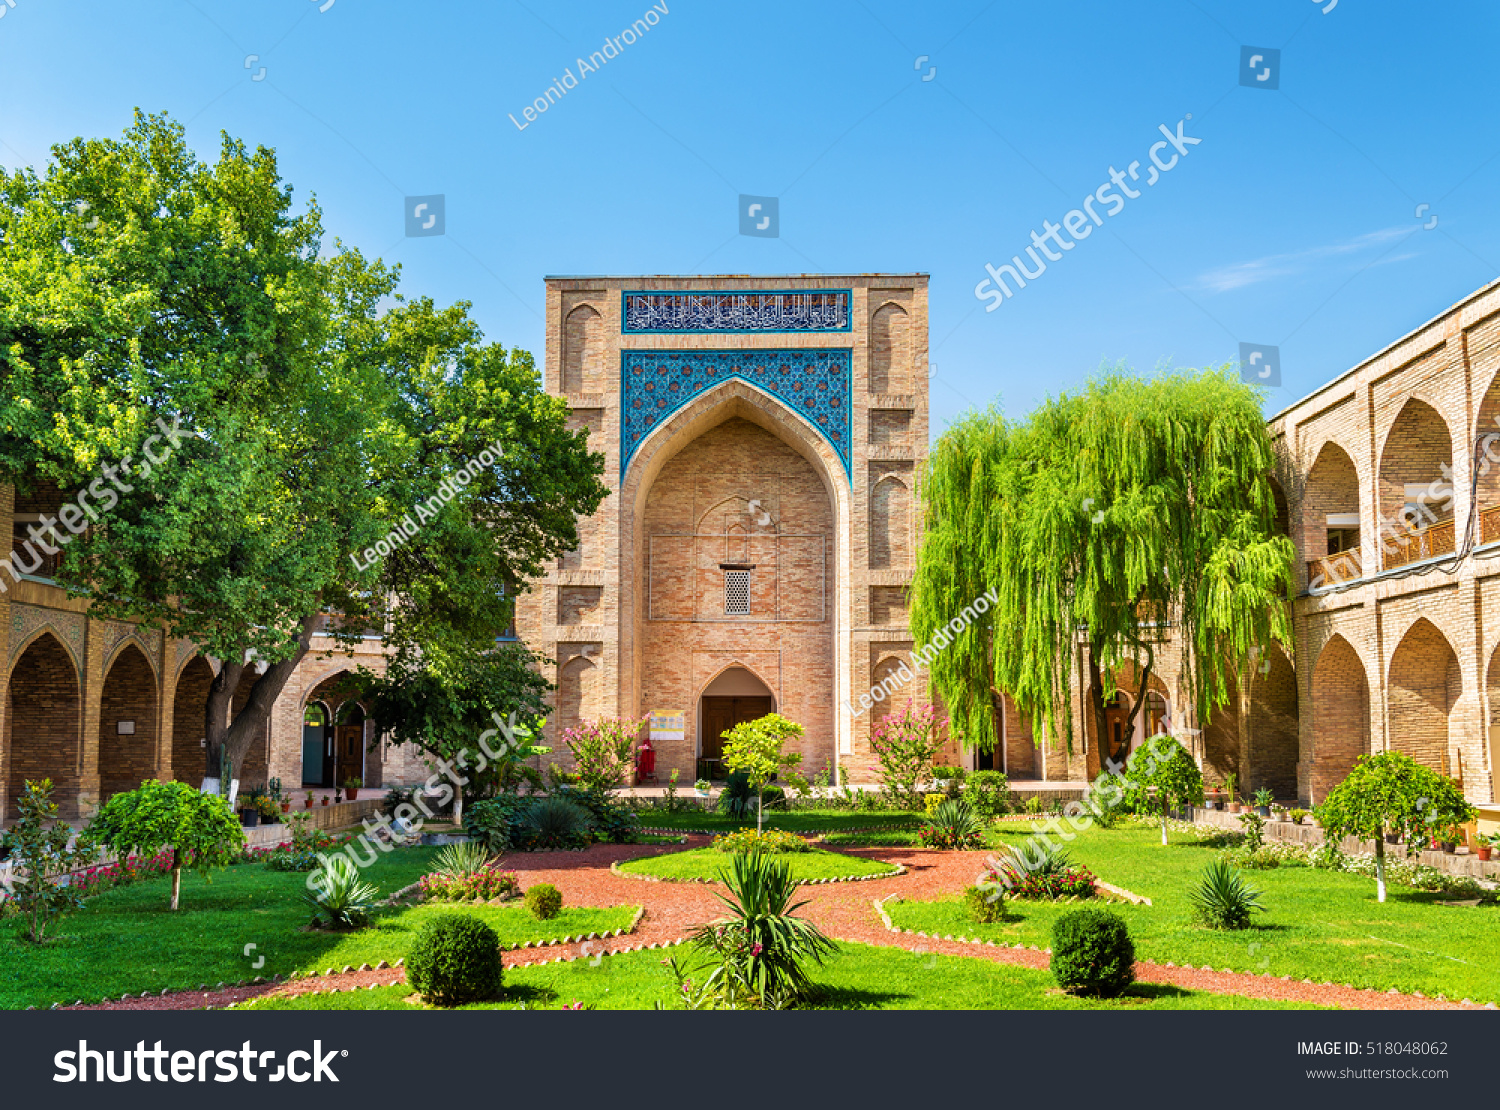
pixel 844 910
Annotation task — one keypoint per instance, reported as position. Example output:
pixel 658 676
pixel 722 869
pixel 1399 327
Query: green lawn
pixel 802 820
pixel 707 863
pixel 1320 925
pixel 859 977
pixel 126 941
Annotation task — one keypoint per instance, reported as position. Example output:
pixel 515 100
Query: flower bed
pixel 477 886
pixel 775 841
pixel 1072 882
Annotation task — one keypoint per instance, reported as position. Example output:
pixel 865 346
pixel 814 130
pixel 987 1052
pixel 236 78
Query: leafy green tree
pixel 1106 514
pixel 244 419
pixel 754 749
pixel 603 752
pixel 42 849
pixel 198 828
pixel 475 715
pixel 1391 792
pixel 1163 769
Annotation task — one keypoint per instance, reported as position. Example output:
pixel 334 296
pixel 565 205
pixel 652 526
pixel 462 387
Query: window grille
pixel 737 593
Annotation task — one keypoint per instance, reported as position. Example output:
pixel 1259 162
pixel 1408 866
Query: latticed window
pixel 737 593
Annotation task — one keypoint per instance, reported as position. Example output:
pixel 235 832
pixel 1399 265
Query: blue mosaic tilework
pixel 817 384
pixel 652 313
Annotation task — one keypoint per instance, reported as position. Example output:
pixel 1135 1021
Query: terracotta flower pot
pixel 325 799
pixel 286 807
pixel 309 803
pixel 352 791
pixel 1484 853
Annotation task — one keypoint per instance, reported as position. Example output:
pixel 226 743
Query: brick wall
pixel 129 695
pixel 42 723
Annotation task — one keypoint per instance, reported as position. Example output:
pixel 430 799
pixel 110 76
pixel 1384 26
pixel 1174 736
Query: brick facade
pixel 68 681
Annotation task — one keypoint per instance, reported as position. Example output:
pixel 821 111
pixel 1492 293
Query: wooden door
pixel 722 714
pixel 349 746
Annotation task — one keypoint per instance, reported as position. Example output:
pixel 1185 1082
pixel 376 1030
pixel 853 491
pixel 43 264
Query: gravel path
pixel 843 910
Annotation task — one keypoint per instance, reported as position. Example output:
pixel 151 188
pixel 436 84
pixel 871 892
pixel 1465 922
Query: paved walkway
pixel 845 911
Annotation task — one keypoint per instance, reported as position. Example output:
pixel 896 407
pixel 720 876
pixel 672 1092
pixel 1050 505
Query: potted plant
pixel 1230 782
pixel 702 786
pixel 1447 839
pixel 1278 812
pixel 325 799
pixel 1263 800
pixel 1298 816
pixel 283 801
pixel 249 814
pixel 267 810
pixel 1485 844
pixel 352 785
pixel 308 800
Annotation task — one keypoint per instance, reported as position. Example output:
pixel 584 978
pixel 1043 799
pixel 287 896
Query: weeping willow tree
pixel 1134 517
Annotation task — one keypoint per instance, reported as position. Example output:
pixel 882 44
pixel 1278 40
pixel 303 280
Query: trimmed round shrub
pixel 544 901
pixel 454 959
pixel 1092 953
pixel 986 904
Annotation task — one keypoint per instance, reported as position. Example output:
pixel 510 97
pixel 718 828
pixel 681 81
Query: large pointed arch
pixel 1332 536
pixel 1340 710
pixel 1425 682
pixel 43 722
pixel 1414 488
pixel 728 400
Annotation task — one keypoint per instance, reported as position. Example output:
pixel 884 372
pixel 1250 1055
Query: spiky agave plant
pixel 759 950
pixel 1222 900
pixel 953 824
pixel 338 897
pixel 457 861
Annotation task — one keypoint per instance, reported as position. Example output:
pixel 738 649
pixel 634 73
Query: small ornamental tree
pixel 754 748
pixel 603 751
pixel 198 828
pixel 42 848
pixel 906 744
pixel 1391 792
pixel 1163 767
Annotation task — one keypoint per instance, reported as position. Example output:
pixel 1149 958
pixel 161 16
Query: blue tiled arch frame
pixel 824 398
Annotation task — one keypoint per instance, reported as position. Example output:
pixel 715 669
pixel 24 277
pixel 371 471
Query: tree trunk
pixel 759 808
pixel 1164 820
pixel 1380 864
pixel 234 737
pixel 176 876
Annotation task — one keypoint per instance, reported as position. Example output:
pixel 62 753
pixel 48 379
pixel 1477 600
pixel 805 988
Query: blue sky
pixel 1292 222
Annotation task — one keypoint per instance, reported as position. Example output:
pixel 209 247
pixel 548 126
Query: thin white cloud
pixel 1273 266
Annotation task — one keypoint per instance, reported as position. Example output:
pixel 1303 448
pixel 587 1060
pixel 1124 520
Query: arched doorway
pixel 1340 705
pixel 736 695
pixel 42 724
pixel 1416 496
pixel 314 743
pixel 349 744
pixel 1425 684
pixel 1273 729
pixel 127 724
pixel 189 721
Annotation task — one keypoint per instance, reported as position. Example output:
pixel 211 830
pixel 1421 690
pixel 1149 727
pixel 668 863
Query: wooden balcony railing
pixel 1489 524
pixel 1424 543
pixel 1330 570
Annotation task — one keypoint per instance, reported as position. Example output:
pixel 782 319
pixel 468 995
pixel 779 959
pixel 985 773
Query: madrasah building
pixel 764 439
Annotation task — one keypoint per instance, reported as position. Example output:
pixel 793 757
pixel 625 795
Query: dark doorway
pixel 314 750
pixel 984 760
pixel 349 744
pixel 722 714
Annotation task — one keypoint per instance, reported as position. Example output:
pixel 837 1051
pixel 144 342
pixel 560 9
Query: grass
pixel 859 977
pixel 706 863
pixel 126 941
pixel 887 839
pixel 800 820
pixel 1320 925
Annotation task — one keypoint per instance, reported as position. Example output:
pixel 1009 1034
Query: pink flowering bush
pixel 906 744
pixel 475 886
